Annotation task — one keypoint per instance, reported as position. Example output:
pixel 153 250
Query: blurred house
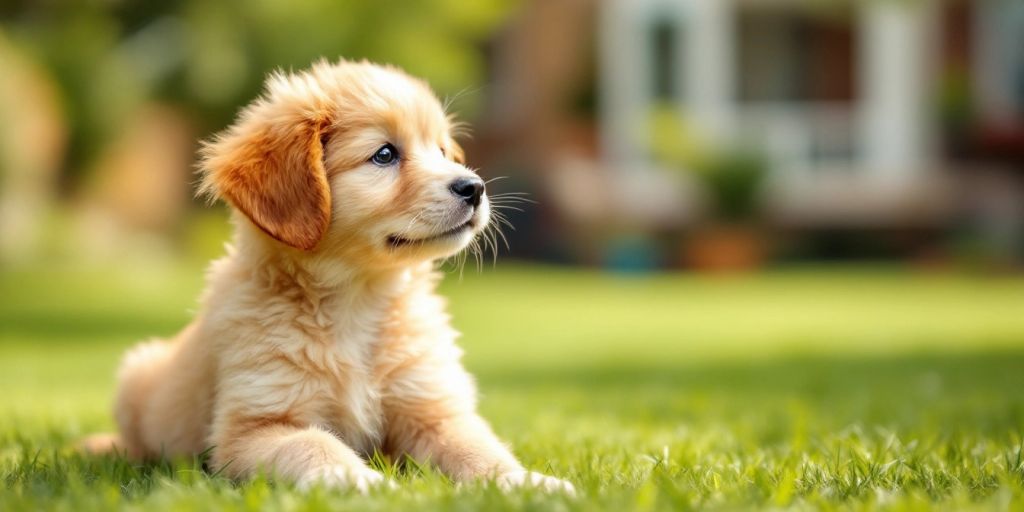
pixel 869 115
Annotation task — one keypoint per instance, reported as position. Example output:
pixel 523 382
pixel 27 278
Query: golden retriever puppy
pixel 320 337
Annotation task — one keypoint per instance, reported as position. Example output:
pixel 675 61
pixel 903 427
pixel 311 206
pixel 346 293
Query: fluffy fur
pixel 320 337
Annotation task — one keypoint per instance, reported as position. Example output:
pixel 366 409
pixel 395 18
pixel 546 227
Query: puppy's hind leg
pixel 138 369
pixel 142 367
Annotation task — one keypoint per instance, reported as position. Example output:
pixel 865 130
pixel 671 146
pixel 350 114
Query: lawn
pixel 835 388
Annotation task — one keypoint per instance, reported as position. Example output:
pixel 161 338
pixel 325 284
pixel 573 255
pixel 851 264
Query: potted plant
pixel 731 238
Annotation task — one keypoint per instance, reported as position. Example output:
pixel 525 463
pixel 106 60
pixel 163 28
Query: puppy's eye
pixel 386 155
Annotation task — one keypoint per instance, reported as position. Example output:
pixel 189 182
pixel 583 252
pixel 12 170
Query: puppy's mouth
pixel 398 241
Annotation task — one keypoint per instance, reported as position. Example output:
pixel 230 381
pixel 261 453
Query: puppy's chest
pixel 349 401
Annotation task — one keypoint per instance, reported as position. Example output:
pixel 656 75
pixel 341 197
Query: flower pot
pixel 725 248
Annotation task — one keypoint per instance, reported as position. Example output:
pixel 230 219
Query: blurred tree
pixel 208 57
pixel 32 138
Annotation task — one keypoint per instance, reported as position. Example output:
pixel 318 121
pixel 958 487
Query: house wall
pixel 891 150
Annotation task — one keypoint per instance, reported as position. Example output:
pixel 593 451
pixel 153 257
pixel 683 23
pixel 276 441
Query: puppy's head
pixel 351 160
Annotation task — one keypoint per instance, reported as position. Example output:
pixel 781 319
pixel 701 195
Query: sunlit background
pixel 809 208
pixel 689 134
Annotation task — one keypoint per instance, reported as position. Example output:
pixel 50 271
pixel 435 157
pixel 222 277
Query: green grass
pixel 851 388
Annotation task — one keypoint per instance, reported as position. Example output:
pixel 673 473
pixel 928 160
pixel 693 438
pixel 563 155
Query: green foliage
pixel 734 180
pixel 733 177
pixel 210 56
pixel 834 389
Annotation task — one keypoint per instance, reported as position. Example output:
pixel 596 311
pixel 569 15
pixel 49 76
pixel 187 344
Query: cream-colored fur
pixel 320 337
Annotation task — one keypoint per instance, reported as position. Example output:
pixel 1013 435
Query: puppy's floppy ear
pixel 269 166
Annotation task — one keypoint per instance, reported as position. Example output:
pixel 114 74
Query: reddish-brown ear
pixel 270 167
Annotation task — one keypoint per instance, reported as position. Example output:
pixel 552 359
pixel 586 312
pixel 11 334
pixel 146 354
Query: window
pixel 1013 50
pixel 796 53
pixel 665 59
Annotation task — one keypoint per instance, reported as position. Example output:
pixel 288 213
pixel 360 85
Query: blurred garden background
pixel 774 257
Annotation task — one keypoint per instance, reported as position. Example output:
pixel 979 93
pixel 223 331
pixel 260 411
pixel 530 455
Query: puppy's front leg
pixel 307 456
pixel 438 423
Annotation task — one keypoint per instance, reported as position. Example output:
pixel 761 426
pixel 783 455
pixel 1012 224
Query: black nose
pixel 468 189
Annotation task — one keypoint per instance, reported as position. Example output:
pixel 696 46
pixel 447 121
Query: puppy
pixel 320 337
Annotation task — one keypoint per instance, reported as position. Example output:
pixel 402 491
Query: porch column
pixel 894 88
pixel 709 63
pixel 623 70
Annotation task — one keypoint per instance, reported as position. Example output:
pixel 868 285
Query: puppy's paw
pixel 100 444
pixel 516 479
pixel 343 477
